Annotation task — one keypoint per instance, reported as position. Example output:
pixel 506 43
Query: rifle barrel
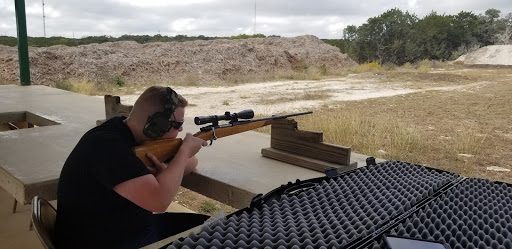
pixel 277 117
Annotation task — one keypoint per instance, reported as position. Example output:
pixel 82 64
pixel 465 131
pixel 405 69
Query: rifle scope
pixel 233 117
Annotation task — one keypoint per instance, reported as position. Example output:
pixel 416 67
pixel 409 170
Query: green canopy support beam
pixel 21 24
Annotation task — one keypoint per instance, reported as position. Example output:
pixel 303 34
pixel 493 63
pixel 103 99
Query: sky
pixel 325 19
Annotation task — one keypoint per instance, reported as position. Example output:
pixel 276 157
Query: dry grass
pixel 458 131
pixel 84 87
pixel 94 88
pixel 433 74
pixel 365 68
pixel 306 95
pixel 303 72
pixel 5 81
pixel 462 131
pixel 363 133
pixel 189 80
pixel 200 203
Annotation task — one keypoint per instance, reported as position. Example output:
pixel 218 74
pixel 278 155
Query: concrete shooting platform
pixel 232 170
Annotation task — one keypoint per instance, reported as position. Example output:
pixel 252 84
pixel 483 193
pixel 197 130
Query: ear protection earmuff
pixel 158 124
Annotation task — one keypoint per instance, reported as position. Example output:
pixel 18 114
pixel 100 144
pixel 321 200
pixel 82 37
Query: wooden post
pixel 113 107
pixel 14 206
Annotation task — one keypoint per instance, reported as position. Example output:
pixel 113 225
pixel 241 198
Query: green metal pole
pixel 21 23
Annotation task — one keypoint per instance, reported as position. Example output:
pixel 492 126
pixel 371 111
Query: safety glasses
pixel 175 124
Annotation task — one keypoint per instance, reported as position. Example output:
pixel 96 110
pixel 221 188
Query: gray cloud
pixel 323 18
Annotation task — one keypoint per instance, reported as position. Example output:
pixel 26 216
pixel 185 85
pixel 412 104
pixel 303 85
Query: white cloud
pixel 269 20
pixel 5 26
pixel 412 4
pixel 162 3
pixel 336 29
pixel 183 25
pixel 37 10
pixel 322 18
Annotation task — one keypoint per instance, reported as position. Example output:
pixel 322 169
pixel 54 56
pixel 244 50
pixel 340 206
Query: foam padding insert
pixel 333 213
pixel 473 215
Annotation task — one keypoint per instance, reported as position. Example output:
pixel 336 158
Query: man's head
pixel 157 113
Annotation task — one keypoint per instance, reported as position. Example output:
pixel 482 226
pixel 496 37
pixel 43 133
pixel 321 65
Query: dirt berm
pixel 199 61
pixel 490 55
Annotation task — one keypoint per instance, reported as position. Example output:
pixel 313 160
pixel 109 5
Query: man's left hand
pixel 156 166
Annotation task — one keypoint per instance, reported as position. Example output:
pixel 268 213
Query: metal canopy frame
pixel 21 24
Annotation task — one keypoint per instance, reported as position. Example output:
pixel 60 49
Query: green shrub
pixel 322 69
pixel 374 66
pixel 63 85
pixel 364 68
pixel 118 81
pixel 244 36
pixel 79 86
pixel 208 207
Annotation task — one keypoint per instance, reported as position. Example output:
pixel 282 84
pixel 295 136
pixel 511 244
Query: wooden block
pixel 292 135
pixel 305 162
pixel 321 151
pixel 286 136
pixel 113 107
pixel 111 103
pixel 285 123
pixel 287 129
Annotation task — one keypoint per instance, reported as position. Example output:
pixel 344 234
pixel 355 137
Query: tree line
pixel 398 37
pixel 58 40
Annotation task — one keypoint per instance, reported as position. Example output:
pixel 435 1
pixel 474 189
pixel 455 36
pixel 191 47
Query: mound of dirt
pixel 490 55
pixel 200 61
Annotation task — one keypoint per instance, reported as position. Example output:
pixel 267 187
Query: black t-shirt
pixel 90 214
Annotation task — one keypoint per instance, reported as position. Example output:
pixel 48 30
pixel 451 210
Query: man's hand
pixel 156 166
pixel 191 145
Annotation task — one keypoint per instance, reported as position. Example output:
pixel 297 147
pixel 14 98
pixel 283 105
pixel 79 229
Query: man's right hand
pixel 191 145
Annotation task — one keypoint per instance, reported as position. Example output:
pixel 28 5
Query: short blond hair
pixel 156 96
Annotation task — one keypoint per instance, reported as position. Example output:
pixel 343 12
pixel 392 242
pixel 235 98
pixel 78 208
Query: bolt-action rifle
pixel 165 149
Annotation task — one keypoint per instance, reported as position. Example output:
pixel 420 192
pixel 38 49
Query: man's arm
pixel 156 193
pixel 156 169
pixel 192 164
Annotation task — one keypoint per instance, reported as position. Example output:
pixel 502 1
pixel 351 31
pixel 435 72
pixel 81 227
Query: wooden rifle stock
pixel 165 149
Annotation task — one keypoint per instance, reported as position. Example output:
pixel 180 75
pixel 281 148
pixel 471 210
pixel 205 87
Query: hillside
pixel 200 61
